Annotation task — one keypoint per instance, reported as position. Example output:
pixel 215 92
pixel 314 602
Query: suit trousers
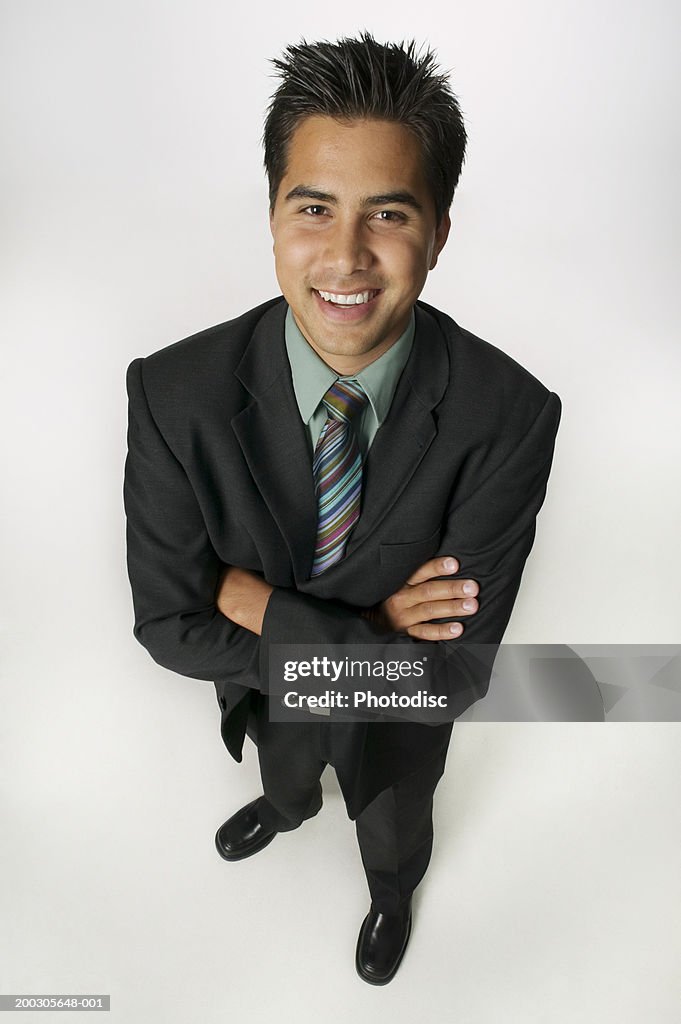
pixel 394 832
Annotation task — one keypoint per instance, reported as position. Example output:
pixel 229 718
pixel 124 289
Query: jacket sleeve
pixel 490 531
pixel 172 565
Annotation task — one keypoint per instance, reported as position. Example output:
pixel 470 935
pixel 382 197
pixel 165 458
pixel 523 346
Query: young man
pixel 307 472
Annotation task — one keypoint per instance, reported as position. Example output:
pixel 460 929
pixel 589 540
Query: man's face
pixel 355 235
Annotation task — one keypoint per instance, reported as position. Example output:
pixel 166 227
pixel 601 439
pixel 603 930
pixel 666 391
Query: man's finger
pixel 432 591
pixel 428 610
pixel 436 631
pixel 444 565
pixel 443 590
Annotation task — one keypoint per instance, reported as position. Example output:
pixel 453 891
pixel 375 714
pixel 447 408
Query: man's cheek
pixel 292 263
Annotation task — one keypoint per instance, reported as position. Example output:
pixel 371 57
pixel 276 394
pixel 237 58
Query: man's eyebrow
pixel 393 198
pixel 384 199
pixel 308 192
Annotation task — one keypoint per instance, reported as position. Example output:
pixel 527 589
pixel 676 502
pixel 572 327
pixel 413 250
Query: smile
pixel 353 299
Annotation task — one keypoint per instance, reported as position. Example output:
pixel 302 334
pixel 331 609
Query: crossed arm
pixel 204 621
pixel 243 597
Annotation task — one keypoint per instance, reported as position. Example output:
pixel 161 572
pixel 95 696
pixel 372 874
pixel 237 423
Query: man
pixel 307 472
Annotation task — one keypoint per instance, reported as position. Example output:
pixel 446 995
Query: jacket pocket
pixel 413 552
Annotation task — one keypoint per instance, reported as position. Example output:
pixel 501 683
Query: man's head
pixel 364 144
pixel 356 79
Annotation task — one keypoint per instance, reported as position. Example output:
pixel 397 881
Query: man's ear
pixel 441 235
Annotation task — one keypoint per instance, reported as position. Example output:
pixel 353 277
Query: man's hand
pixel 242 597
pixel 422 598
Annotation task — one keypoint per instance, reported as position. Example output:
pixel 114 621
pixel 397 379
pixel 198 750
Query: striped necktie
pixel 337 468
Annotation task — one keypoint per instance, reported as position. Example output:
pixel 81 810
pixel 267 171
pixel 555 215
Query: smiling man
pixel 343 464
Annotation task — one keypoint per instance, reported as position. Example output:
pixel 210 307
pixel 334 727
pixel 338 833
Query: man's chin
pixel 347 360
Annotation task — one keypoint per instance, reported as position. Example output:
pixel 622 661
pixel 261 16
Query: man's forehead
pixel 370 156
pixel 324 130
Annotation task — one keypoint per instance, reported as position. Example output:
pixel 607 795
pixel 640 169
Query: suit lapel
pixel 407 432
pixel 273 439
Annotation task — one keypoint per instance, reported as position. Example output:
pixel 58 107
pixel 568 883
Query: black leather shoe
pixel 242 835
pixel 381 944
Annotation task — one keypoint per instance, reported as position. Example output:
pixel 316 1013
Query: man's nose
pixel 347 248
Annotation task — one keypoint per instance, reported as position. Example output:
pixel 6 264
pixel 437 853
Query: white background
pixel 134 213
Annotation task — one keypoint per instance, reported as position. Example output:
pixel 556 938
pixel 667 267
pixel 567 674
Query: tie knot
pixel 345 399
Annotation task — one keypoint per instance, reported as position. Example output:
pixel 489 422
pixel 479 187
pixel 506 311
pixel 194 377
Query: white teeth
pixel 348 300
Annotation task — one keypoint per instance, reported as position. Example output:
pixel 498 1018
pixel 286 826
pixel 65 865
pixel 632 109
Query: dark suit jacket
pixel 219 473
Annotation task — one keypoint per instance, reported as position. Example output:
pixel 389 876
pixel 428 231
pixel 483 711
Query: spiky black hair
pixel 361 78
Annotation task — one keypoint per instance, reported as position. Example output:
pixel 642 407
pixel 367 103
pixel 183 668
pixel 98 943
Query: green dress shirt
pixel 312 378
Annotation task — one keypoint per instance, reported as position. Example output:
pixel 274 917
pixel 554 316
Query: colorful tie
pixel 337 467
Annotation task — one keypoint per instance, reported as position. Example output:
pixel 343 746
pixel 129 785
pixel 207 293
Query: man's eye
pixel 315 211
pixel 390 215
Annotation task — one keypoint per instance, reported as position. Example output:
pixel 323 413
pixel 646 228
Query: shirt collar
pixel 312 378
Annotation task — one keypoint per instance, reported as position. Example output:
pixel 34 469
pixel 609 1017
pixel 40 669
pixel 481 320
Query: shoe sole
pixel 382 981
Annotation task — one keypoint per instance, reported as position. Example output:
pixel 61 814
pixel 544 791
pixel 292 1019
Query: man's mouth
pixel 350 299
